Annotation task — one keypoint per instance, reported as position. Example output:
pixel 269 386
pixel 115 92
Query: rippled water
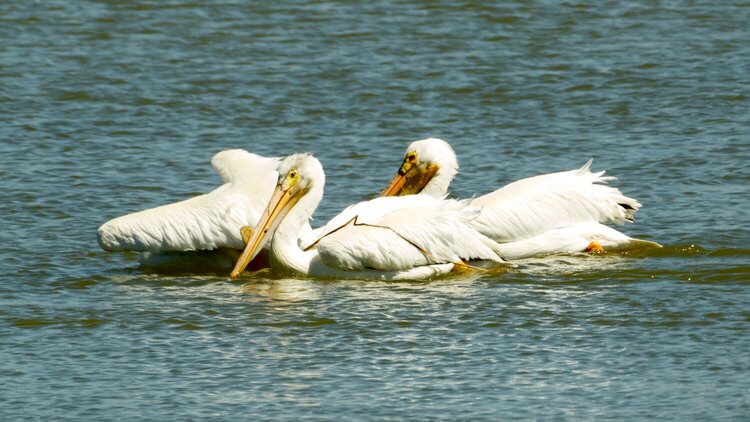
pixel 110 107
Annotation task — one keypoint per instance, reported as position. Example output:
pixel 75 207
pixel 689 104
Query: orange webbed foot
pixel 594 247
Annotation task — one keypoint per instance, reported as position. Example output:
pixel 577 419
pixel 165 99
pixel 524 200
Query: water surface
pixel 108 107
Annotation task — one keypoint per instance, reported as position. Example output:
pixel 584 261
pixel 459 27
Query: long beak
pixel 410 180
pixel 281 202
pixel 397 183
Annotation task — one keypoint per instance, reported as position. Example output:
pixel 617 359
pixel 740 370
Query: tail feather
pixel 629 210
pixel 586 167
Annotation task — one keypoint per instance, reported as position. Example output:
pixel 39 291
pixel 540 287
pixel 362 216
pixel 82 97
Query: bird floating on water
pixel 204 223
pixel 551 213
pixel 410 237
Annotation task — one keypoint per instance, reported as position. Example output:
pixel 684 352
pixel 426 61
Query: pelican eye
pixel 292 177
pixel 412 156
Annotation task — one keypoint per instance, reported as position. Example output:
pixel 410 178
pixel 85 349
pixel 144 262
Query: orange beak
pixel 282 201
pixel 396 185
pixel 410 179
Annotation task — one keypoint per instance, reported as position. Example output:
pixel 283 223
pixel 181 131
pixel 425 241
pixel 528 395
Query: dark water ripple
pixel 109 107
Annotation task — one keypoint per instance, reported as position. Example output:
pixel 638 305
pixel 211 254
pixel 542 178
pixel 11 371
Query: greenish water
pixel 110 107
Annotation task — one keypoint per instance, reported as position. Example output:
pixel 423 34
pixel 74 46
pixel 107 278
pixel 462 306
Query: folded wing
pixel 435 232
pixel 534 205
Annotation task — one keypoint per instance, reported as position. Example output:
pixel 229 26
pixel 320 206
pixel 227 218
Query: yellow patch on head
pixel 291 178
pixel 409 162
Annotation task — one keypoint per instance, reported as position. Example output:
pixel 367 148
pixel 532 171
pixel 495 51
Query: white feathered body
pixel 534 205
pixel 556 213
pixel 571 239
pixel 206 222
pixel 433 232
pixel 385 238
pixel 547 214
pixel 365 211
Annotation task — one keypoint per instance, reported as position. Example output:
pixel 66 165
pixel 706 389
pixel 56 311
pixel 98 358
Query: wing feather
pixel 436 232
pixel 366 211
pixel 572 239
pixel 252 170
pixel 205 222
pixel 537 204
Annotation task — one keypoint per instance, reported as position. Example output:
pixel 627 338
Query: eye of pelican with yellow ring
pixel 292 178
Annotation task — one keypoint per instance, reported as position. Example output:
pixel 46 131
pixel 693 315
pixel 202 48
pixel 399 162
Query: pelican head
pixel 429 166
pixel 298 175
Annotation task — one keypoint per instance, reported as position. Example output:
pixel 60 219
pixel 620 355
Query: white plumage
pixel 435 231
pixel 390 238
pixel 550 213
pixel 574 238
pixel 537 204
pixel 206 222
pixel 365 211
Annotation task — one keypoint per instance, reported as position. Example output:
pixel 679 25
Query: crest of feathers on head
pixel 436 151
pixel 308 167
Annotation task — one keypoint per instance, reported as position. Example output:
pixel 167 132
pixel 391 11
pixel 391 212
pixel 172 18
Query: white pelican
pixel 207 222
pixel 416 237
pixel 551 213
